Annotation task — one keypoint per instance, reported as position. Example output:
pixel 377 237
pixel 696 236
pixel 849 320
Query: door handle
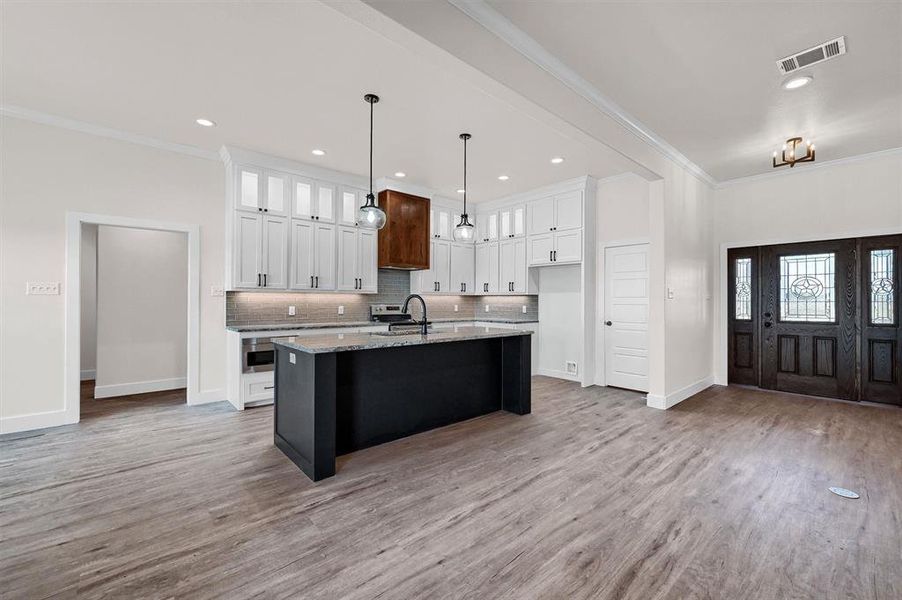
pixel 767 315
pixel 608 323
pixel 768 324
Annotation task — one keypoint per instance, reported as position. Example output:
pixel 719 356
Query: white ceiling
pixel 702 75
pixel 279 78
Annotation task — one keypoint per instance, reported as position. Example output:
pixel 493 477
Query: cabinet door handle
pixel 258 279
pixel 555 256
pixel 311 281
pixel 260 208
pixel 265 210
pixel 549 256
pixel 465 288
pixel 317 281
pixel 264 280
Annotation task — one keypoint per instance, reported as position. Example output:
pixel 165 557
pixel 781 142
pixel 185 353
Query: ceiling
pixel 702 75
pixel 279 78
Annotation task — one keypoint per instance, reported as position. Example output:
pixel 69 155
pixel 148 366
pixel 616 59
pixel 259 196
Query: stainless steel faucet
pixel 424 325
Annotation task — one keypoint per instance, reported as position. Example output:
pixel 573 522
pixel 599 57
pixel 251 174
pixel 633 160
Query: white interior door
pixel 626 316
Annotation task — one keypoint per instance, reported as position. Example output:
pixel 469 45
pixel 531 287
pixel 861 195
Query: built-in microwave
pixel 257 355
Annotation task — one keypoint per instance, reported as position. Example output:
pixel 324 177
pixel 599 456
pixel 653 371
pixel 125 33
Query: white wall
pixel 622 214
pixel 47 171
pixel 142 311
pixel 88 272
pixel 560 324
pixel 828 201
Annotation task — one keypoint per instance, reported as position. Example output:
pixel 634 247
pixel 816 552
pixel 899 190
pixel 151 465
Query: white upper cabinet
pixel 487 266
pixel 556 213
pixel 556 248
pixel 349 203
pixel 441 267
pixel 440 223
pixel 512 266
pixel 277 192
pixel 249 189
pixel 325 202
pixel 568 211
pixel 486 227
pixel 324 263
pixel 275 252
pixel 302 204
pixel 248 244
pixel 512 221
pixel 312 262
pixel 462 269
pixel 357 266
pixel 541 249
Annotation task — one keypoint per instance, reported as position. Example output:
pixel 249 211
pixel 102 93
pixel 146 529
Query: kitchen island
pixel 338 393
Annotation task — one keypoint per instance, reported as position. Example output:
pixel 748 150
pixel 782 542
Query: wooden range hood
pixel 404 241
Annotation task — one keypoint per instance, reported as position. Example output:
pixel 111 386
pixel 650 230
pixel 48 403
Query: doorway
pixel 74 232
pixel 818 318
pixel 626 316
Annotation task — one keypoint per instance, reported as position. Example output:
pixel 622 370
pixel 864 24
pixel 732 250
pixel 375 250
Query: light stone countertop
pixel 291 326
pixel 344 342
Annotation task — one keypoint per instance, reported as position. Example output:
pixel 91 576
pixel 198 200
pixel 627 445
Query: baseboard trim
pixel 88 374
pixel 18 423
pixel 557 374
pixel 672 399
pixel 139 387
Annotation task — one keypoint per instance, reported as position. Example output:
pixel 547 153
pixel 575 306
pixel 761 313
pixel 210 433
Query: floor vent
pixel 812 56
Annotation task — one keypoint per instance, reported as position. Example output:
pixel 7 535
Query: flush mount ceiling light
pixel 369 215
pixel 318 152
pixel 799 81
pixel 503 177
pixel 205 122
pixel 557 160
pixel 790 155
pixel 400 174
pixel 464 232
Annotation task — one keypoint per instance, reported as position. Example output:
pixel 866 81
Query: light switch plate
pixel 670 293
pixel 292 311
pixel 292 358
pixel 216 291
pixel 341 309
pixel 524 309
pixel 42 288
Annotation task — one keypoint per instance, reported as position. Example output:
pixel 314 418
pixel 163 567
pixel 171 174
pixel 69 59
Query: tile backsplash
pixel 249 308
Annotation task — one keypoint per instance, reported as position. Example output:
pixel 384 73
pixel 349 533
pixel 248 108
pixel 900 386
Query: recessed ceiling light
pixel 557 160
pixel 318 152
pixel 503 177
pixel 461 191
pixel 794 83
pixel 400 174
pixel 205 122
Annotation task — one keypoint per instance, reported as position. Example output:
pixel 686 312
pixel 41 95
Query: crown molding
pixel 35 116
pixel 519 40
pixel 838 162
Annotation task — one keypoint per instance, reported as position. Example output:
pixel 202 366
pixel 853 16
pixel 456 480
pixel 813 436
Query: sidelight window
pixel 807 288
pixel 882 285
pixel 743 289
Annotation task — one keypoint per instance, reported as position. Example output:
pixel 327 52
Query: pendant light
pixel 465 232
pixel 369 215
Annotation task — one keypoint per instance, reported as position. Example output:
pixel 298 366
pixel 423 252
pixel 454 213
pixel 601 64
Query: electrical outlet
pixel 486 308
pixel 524 309
pixel 292 358
pixel 42 288
pixel 292 311
pixel 341 309
pixel 571 367
pixel 670 293
pixel 455 308
pixel 216 291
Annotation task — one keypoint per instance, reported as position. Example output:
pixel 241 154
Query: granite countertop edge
pixel 322 344
pixel 330 325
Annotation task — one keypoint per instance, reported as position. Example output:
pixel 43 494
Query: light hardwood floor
pixel 592 496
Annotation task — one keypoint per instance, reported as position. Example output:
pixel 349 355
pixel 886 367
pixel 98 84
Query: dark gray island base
pixel 335 394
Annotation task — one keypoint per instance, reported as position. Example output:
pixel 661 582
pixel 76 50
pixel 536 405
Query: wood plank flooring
pixel 591 496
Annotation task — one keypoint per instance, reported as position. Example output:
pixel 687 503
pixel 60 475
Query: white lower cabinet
pixel 556 248
pixel 487 268
pixel 357 267
pixel 262 243
pixel 512 260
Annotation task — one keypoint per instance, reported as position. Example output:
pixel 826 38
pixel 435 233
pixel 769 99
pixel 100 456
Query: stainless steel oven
pixel 257 355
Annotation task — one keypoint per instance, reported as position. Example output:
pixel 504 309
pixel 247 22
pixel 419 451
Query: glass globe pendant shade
pixel 464 231
pixel 369 215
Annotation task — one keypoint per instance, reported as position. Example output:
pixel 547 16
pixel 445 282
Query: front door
pixel 818 318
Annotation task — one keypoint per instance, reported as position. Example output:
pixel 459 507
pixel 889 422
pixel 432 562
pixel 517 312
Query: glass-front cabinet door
pixel 351 201
pixel 302 204
pixel 325 202
pixel 278 190
pixel 249 190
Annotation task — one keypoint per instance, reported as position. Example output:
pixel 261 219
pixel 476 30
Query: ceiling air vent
pixel 812 56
